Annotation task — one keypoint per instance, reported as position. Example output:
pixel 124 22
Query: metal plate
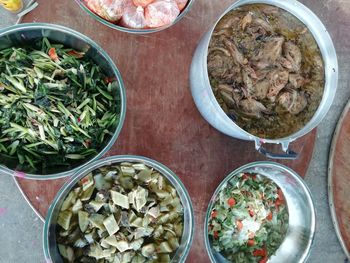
pixel 339 180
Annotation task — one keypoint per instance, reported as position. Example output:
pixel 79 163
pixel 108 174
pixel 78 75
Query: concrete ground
pixel 21 230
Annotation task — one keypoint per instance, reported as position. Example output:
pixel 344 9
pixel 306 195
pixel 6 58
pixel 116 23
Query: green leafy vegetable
pixel 57 108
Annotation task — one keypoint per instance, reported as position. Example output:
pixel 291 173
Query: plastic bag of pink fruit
pixel 111 10
pixel 133 16
pixel 161 13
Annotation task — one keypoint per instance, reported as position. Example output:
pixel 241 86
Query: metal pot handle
pixel 288 155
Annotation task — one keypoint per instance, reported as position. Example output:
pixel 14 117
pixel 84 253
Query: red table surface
pixel 162 121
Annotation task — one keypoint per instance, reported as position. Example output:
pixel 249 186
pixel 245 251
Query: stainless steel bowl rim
pixel 330 58
pixel 236 172
pixel 165 171
pixel 47 26
pixel 132 30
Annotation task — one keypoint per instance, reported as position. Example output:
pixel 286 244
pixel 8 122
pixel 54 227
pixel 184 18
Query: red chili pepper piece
pixel 52 53
pixel 109 79
pixel 216 234
pixel 88 143
pixel 214 213
pixel 76 54
pixel 269 216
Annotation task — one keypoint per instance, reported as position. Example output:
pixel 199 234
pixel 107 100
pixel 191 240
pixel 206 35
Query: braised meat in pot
pixel 266 70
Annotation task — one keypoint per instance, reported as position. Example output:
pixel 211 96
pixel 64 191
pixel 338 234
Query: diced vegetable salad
pixel 249 219
pixel 126 212
pixel 57 108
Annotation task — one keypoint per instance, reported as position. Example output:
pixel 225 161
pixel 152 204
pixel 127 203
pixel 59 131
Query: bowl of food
pixel 261 212
pixel 62 101
pixel 120 209
pixel 137 16
pixel 266 72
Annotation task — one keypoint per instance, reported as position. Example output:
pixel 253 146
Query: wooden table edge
pixel 27 200
pixel 330 177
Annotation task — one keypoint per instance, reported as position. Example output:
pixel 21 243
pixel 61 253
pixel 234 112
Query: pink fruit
pixel 142 3
pixel 161 13
pixel 133 17
pixel 111 10
pixel 181 4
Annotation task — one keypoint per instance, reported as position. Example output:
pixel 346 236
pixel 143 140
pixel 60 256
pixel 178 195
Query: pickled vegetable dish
pixel 57 108
pixel 249 219
pixel 266 70
pixel 126 212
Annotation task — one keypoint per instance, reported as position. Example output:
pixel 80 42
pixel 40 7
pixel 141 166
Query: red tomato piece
pixel 251 242
pixel 259 252
pixel 231 202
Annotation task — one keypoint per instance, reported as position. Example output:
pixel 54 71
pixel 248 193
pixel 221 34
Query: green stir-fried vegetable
pixel 57 108
pixel 120 213
pixel 249 219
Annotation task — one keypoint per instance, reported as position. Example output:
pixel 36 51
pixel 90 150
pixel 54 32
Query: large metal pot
pixel 24 34
pixel 210 108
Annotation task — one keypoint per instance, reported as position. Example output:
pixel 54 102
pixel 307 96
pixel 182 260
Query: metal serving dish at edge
pixel 210 108
pixel 296 246
pixel 24 33
pixel 49 233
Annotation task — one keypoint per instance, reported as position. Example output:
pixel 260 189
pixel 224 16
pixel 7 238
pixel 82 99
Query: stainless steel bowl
pixel 24 34
pixel 49 234
pixel 131 30
pixel 296 246
pixel 209 107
